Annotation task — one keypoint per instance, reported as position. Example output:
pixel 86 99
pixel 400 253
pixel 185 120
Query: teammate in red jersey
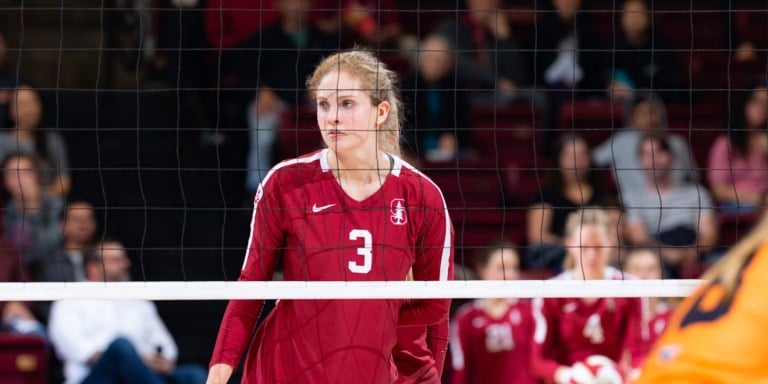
pixel 645 263
pixel 491 338
pixel 571 329
pixel 351 212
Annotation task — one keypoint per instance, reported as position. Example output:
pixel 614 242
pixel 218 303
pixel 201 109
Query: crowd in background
pixel 660 197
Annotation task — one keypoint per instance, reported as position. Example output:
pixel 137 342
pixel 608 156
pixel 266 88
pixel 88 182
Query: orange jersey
pixel 709 340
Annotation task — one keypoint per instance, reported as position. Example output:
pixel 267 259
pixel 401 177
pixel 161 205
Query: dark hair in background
pixel 737 130
pixel 484 257
pixel 41 136
pixel 660 137
pixel 93 253
pixel 556 181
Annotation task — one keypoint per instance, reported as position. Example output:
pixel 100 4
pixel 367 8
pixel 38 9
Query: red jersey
pixel 302 216
pixel 658 322
pixel 420 353
pixel 492 350
pixel 571 329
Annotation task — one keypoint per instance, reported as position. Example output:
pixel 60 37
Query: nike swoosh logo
pixel 317 209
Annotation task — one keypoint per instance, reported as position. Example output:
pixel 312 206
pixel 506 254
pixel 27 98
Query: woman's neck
pixel 23 133
pixel 578 274
pixel 495 308
pixel 359 168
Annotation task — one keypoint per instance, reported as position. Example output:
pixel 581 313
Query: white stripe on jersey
pixel 446 256
pixel 260 190
pixel 540 332
pixel 457 351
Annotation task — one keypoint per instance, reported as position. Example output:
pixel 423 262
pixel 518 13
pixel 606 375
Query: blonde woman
pixel 568 330
pixel 354 211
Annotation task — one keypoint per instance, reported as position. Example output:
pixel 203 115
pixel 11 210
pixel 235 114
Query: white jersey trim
pixel 445 258
pixel 457 350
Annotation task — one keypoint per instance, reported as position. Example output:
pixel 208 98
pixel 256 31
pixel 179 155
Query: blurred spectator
pixel 109 341
pixel 7 81
pixel 738 160
pixel 374 23
pixel 26 113
pixel 229 23
pixel 78 227
pixel 568 330
pixel 491 338
pixel 15 316
pixel 572 188
pixel 645 114
pixel 676 217
pixel 273 71
pixel 440 126
pixel 644 59
pixel 566 54
pixel 487 55
pixel 31 218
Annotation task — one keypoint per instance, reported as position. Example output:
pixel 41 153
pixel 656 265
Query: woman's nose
pixel 332 115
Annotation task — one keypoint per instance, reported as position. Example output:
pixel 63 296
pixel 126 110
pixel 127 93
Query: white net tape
pixel 220 290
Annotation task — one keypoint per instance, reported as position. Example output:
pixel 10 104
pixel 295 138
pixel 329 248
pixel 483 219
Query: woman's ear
pixel 382 111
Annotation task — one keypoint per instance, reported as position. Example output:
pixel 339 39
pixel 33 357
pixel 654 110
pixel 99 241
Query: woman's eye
pixel 322 104
pixel 347 103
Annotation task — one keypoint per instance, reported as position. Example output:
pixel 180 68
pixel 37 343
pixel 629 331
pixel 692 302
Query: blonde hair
pixel 578 219
pixel 727 270
pixel 380 81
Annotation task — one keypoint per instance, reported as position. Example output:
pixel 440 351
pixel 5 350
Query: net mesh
pixel 154 102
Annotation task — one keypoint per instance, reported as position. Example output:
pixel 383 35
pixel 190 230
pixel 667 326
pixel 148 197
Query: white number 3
pixel 364 251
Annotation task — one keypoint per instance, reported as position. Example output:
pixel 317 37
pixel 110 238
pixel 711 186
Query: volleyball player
pixel 352 212
pixel 569 330
pixel 491 338
pixel 645 263
pixel 719 334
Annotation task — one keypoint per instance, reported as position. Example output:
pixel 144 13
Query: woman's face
pixel 645 116
pixel 635 19
pixel 19 175
pixel 346 117
pixel 644 265
pixel 566 9
pixel 756 110
pixel 655 160
pixel 588 246
pixel 435 60
pixel 25 108
pixel 574 161
pixel 503 264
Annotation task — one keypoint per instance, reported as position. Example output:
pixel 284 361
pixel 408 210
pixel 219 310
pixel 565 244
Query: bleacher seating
pixel 507 133
pixel 595 120
pixel 734 226
pixel 23 359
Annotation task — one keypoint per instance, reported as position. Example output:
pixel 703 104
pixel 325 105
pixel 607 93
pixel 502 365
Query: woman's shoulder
pixel 297 168
pixel 414 180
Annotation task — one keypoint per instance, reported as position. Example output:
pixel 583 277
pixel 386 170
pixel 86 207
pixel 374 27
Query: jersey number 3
pixel 365 251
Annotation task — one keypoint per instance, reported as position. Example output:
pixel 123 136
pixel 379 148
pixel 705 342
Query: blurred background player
pixel 568 330
pixel 491 338
pixel 645 263
pixel 718 334
pixel 351 212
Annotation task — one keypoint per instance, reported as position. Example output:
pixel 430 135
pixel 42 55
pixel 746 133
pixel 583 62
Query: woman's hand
pixel 219 374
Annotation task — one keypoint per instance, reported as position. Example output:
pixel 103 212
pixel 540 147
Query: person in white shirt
pixel 115 341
